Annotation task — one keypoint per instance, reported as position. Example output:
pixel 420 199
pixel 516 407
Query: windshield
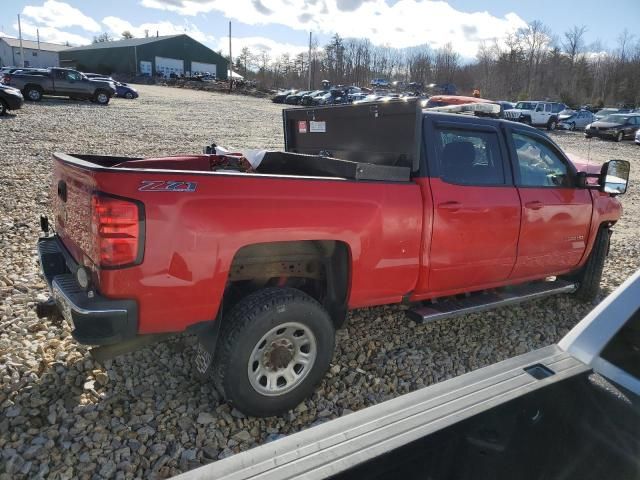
pixel 620 119
pixel 526 106
pixel 606 111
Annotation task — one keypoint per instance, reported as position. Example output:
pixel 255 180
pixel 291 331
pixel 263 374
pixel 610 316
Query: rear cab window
pixel 469 157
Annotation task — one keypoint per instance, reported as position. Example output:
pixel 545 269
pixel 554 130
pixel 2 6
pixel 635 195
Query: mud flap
pixel 206 347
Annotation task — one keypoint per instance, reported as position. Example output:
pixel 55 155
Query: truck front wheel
pixel 101 97
pixel 274 348
pixel 589 277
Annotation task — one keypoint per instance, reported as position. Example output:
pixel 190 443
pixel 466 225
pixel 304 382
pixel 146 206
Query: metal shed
pixel 169 54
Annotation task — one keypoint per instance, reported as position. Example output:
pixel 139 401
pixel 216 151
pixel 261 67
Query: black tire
pixel 589 276
pixel 572 127
pixel 243 331
pixel 619 137
pixel 33 93
pixel 128 96
pixel 101 97
pixel 553 123
pixel 3 107
pixel 586 135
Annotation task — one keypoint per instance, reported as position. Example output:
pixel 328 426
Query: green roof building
pixel 147 56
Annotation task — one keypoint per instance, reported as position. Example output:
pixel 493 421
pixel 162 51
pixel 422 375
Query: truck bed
pixel 212 215
pixel 273 163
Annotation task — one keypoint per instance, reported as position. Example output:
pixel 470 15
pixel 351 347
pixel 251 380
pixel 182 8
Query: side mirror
pixel 614 177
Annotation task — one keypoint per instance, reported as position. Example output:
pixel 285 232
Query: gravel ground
pixel 145 415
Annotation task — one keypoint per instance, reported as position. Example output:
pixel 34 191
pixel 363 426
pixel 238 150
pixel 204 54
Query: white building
pixel 36 54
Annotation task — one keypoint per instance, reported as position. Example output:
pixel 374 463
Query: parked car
pixel 575 120
pixel 281 96
pixel 10 99
pixel 307 99
pixel 379 83
pixel 322 99
pixel 506 105
pixel 294 98
pixel 536 113
pixel 61 82
pixel 123 90
pixel 264 282
pixel 354 97
pixel 617 127
pixel 610 111
pixel 373 97
pixel 637 139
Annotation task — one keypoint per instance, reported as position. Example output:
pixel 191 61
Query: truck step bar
pixel 478 302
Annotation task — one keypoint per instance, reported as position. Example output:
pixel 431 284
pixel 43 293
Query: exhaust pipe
pixel 47 309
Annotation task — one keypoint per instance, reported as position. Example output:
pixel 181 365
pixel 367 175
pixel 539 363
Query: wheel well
pixel 32 85
pixel 319 268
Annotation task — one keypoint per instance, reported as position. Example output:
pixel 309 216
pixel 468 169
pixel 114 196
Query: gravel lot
pixel 145 415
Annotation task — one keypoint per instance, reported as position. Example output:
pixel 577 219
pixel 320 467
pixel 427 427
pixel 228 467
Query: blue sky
pixel 278 26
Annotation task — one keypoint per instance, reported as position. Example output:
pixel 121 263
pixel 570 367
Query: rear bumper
pixel 96 320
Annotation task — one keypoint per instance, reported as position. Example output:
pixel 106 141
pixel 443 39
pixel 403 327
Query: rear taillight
pixel 118 230
pixel 6 79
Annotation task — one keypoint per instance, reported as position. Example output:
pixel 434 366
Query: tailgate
pixel 72 187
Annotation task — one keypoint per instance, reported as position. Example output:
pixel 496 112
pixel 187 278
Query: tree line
pixel 531 63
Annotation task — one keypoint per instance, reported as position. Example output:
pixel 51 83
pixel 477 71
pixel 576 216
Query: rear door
pixel 476 209
pixel 67 82
pixel 556 215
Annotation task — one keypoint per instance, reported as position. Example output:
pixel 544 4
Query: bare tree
pixel 103 37
pixel 535 39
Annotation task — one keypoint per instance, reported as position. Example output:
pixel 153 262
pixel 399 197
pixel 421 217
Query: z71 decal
pixel 167 186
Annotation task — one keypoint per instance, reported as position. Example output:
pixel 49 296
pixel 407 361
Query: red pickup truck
pixel 367 205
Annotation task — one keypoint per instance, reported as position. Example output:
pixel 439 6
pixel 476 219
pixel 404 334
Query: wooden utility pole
pixel 230 72
pixel 20 35
pixel 309 84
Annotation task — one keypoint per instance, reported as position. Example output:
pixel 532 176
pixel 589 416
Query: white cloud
pixel 118 25
pixel 50 34
pixel 257 45
pixel 404 24
pixel 58 15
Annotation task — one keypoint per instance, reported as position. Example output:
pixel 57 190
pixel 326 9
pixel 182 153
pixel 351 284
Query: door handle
pixel 535 205
pixel 452 206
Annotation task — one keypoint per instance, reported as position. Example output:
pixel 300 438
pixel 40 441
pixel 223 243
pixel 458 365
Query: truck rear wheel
pixel 275 347
pixel 33 93
pixel 590 275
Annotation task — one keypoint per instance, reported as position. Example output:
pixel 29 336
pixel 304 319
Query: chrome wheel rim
pixel 282 359
pixel 102 98
pixel 34 94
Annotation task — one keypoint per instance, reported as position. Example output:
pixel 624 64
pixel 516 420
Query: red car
pixel 369 205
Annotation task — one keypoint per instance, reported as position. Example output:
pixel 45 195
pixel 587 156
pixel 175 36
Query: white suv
pixel 538 114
